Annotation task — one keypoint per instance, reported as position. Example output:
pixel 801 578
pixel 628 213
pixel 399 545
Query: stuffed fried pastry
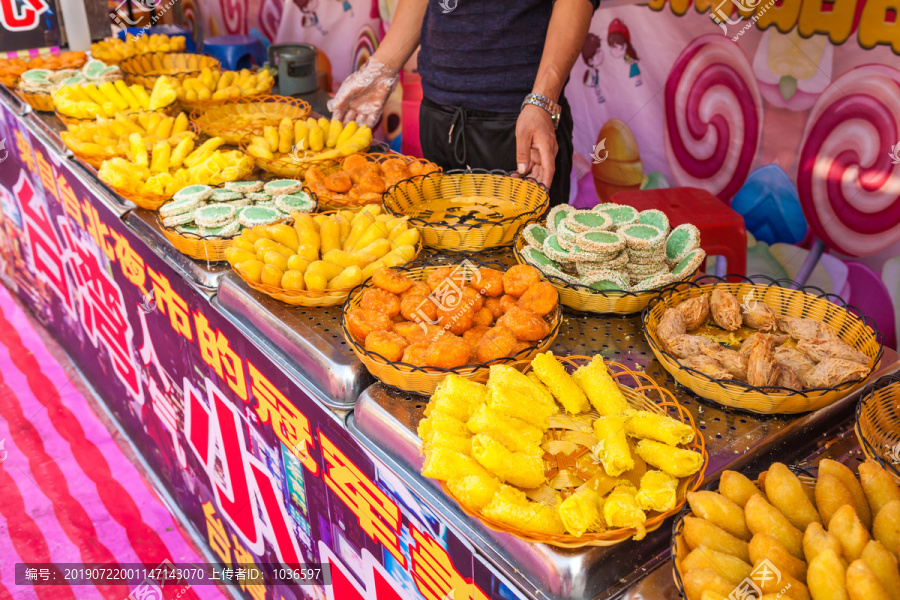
pixel 474 491
pixel 659 427
pixel 658 491
pixel 600 388
pixel 580 512
pixel 522 469
pixel 694 311
pixel 512 403
pixel 446 464
pixel 621 509
pixel 512 508
pixel 612 446
pixel 566 391
pixel 510 378
pixel 725 309
pixel 441 422
pixel 677 462
pixel 457 443
pixel 457 397
pixel 515 434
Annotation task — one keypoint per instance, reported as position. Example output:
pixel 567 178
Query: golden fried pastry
pixel 404 328
pixel 484 317
pixel 805 329
pixel 754 339
pixel 762 368
pixel 395 164
pixel 472 299
pixel 819 350
pixel 448 352
pixel 525 324
pixel 670 325
pixel 358 172
pixel 362 322
pixel 541 298
pixel 694 311
pixel 391 281
pixel 489 282
pixel 734 362
pixel 519 278
pixel 425 332
pixel 474 335
pixel 314 175
pixel 417 288
pixel 789 379
pixel 358 197
pixel 520 346
pixel 708 366
pixel 456 321
pixel 338 182
pixel 381 301
pixel 387 344
pixel 833 371
pixel 686 345
pixel 494 305
pixel 355 160
pixel 760 317
pixel 497 342
pixel 418 308
pixel 506 303
pixel 416 354
pixel 371 183
pixel 436 278
pixel 725 309
pixel 793 360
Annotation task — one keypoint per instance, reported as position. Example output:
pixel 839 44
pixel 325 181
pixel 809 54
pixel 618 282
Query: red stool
pixel 722 231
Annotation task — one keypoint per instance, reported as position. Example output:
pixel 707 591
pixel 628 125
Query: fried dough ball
pixel 357 173
pixel 541 298
pixel 425 332
pixel 418 289
pixel 448 352
pixel 355 160
pixel 519 278
pixel 416 354
pixel 361 323
pixel 391 281
pixel 404 328
pixel 395 164
pixel 437 277
pixel 520 347
pixel 493 305
pixel 456 320
pixel 497 342
pixel 371 183
pixel 418 308
pixel 472 299
pixel 381 301
pixel 490 282
pixel 387 344
pixel 314 175
pixel 474 335
pixel 506 303
pixel 525 324
pixel 338 182
pixel 484 317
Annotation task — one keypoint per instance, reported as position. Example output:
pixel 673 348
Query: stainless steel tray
pixel 385 421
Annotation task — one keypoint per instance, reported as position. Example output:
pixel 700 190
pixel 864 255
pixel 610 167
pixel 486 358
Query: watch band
pixel 546 103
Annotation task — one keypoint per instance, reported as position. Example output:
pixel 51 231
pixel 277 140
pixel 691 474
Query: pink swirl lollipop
pixel 713 121
pixel 848 186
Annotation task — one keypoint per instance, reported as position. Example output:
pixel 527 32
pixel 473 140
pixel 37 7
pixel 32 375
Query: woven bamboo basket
pixel 586 299
pixel 169 110
pixel 140 199
pixel 109 152
pixel 145 69
pixel 190 105
pixel 804 302
pixel 642 393
pixel 878 423
pixel 290 165
pixel 238 120
pixel 39 101
pixel 424 380
pixel 525 201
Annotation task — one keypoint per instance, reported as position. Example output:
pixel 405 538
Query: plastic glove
pixel 362 96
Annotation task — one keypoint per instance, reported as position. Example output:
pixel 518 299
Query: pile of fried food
pixel 309 139
pixel 837 541
pixel 362 181
pixel 112 137
pixel 112 50
pixel 213 84
pixel 763 349
pixel 489 443
pixel 323 252
pixel 10 68
pixel 456 317
pixel 107 99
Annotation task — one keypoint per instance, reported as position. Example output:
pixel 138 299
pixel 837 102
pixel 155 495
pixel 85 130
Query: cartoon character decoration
pixel 308 10
pixel 592 54
pixel 619 40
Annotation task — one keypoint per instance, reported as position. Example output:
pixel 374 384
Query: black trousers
pixel 456 138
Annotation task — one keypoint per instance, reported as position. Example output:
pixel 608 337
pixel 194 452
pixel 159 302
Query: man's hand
pixel 536 144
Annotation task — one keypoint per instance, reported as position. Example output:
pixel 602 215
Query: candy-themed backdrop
pixel 788 109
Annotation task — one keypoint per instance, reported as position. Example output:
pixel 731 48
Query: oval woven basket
pixel 586 299
pixel 39 101
pixel 642 393
pixel 424 380
pixel 292 166
pixel 803 302
pixel 878 423
pixel 169 110
pixel 145 69
pixel 525 201
pixel 238 120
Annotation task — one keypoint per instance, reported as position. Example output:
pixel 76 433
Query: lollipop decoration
pixel 713 121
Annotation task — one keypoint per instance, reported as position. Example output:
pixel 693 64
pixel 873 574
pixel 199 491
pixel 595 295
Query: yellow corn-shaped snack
pixel 677 462
pixel 334 131
pixel 457 397
pixel 359 226
pixel 137 150
pixel 553 375
pixel 621 510
pixel 522 469
pixel 513 508
pixel 301 134
pixel 515 434
pixel 504 375
pixel 348 131
pixel 446 464
pixel 184 147
pixel 323 123
pixel 601 389
pixel 658 491
pixel 159 162
pixel 141 94
pixel 580 512
pixel 516 404
pixel 330 234
pixel 285 135
pixel 126 93
pixel 164 130
pixel 659 427
pixel 457 443
pixel 349 278
pixel 475 491
pixel 441 422
pixel 612 445
pixel 316 138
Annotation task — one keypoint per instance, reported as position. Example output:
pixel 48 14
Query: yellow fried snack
pixel 441 422
pixel 886 526
pixel 762 517
pixel 474 491
pixel 826 577
pixel 884 565
pixel 737 488
pixel 785 492
pixel 658 491
pixel 719 510
pixel 580 512
pixel 878 485
pixel 600 388
pixel 506 376
pixel 729 567
pixel 700 532
pixel 620 509
pixel 511 507
pixel 515 434
pixel 846 526
pixel 522 469
pixel 852 483
pixel 863 584
pixel 772 587
pixel 816 541
pixel 445 464
pixel 655 426
pixel 677 462
pixel 457 397
pixel 701 581
pixel 831 494
pixel 457 443
pixel 516 404
pixel 553 375
pixel 612 446
pixel 714 595
pixel 765 547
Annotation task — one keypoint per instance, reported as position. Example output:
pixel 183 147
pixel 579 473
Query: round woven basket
pixel 586 299
pixel 802 302
pixel 238 120
pixel 878 423
pixel 424 380
pixel 39 101
pixel 642 393
pixel 526 199
pixel 292 166
pixel 145 69
pixel 169 110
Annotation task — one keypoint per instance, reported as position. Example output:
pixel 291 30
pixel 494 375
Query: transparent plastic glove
pixel 362 96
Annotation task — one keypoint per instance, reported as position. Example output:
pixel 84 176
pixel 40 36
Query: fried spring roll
pixel 566 391
pixel 621 509
pixel 580 512
pixel 654 426
pixel 446 464
pixel 511 507
pixel 456 396
pixel 612 445
pixel 515 434
pixel 677 462
pixel 600 388
pixel 474 491
pixel 658 491
pixel 522 469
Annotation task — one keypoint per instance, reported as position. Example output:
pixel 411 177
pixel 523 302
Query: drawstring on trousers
pixel 458 126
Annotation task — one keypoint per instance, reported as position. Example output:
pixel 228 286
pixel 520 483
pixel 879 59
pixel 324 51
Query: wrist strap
pixel 546 103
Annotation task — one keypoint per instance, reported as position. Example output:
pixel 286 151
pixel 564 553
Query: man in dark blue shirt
pixel 493 73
